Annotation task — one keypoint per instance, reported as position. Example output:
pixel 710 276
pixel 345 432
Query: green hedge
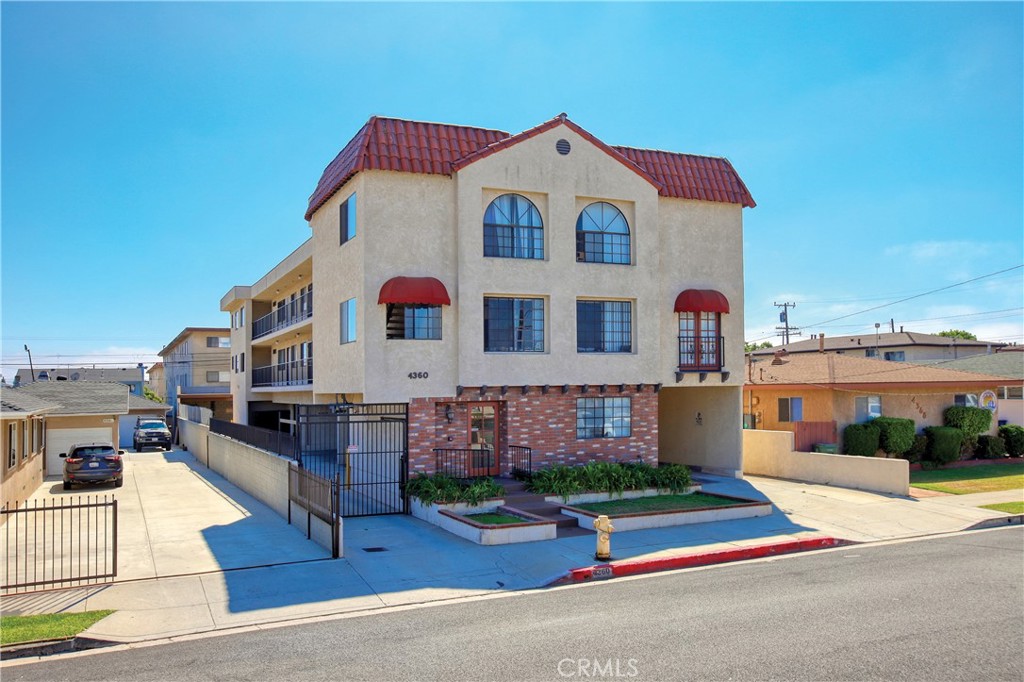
pixel 990 447
pixel 861 439
pixel 972 421
pixel 444 489
pixel 918 450
pixel 1013 437
pixel 943 443
pixel 896 435
pixel 608 477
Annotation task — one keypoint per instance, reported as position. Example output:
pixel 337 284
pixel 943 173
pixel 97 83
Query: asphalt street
pixel 942 608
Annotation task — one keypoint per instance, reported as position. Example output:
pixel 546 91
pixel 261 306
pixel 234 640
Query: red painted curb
pixel 722 556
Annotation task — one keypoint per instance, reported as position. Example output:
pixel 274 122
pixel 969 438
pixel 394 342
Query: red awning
pixel 414 290
pixel 702 301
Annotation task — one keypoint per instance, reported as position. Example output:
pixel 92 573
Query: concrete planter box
pixel 451 518
pixel 587 498
pixel 642 520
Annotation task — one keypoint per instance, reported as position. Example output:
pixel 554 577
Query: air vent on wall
pixel 563 147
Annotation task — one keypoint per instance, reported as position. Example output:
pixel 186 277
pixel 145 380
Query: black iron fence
pixel 364 446
pixel 465 463
pixel 320 498
pixel 59 543
pixel 281 442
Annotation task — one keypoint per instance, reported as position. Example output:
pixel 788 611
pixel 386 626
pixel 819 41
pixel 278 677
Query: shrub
pixel 608 477
pixel 444 489
pixel 896 435
pixel 972 421
pixel 943 443
pixel 917 451
pixel 672 477
pixel 861 439
pixel 990 447
pixel 1013 437
pixel 557 480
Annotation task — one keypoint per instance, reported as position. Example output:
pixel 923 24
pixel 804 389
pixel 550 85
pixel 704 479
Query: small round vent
pixel 563 147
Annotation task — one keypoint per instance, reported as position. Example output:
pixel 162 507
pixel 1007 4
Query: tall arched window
pixel 602 235
pixel 513 228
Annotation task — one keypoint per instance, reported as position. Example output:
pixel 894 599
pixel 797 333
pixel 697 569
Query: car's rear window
pixel 95 450
pixel 152 425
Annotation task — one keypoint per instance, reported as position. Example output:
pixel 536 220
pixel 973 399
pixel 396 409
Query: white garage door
pixel 59 440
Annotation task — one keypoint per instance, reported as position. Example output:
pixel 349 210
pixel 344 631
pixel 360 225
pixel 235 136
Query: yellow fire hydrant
pixel 604 528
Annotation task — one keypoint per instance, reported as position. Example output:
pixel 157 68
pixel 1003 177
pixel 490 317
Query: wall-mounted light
pixel 449 413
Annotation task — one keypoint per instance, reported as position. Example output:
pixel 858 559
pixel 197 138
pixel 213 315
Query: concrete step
pixel 572 531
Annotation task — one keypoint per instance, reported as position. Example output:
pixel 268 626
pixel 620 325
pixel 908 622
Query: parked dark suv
pixel 93 463
pixel 150 432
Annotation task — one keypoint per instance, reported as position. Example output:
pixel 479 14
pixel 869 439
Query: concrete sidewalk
pixel 393 560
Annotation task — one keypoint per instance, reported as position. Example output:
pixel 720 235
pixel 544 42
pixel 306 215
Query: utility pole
pixel 786 330
pixel 30 367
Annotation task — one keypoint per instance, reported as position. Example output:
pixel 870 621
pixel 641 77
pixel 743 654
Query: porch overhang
pixel 414 291
pixel 701 301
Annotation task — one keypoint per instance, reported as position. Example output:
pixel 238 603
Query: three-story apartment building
pixel 542 289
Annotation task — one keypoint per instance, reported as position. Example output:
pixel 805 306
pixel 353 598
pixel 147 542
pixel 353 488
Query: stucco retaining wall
pixel 642 521
pixel 262 474
pixel 194 438
pixel 771 453
pixel 443 516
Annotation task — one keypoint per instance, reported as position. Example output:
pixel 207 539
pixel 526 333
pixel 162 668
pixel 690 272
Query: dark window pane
pixel 602 235
pixel 514 325
pixel 513 228
pixel 604 326
pixel 603 418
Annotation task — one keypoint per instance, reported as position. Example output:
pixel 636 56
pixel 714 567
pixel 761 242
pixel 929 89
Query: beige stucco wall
pixel 20 481
pixel 770 453
pixel 262 474
pixel 194 438
pixel 714 443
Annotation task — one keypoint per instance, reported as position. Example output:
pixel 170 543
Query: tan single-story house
pixel 816 395
pixel 21 439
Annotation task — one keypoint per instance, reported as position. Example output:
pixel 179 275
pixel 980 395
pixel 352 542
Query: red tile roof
pixel 440 148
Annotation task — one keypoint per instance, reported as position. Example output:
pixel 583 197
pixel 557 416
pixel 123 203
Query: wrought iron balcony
pixel 294 373
pixel 290 313
pixel 700 353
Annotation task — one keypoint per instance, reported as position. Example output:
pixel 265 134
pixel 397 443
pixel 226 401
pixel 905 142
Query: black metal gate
pixel 59 543
pixel 363 446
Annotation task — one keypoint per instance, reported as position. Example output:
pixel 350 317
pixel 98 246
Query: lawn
pixel 981 479
pixel 1008 507
pixel 17 629
pixel 495 519
pixel 659 503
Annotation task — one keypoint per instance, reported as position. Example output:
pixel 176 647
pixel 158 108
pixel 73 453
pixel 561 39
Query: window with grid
pixel 513 325
pixel 347 219
pixel 604 327
pixel 700 341
pixel 414 321
pixel 602 235
pixel 603 418
pixel 513 228
pixel 791 409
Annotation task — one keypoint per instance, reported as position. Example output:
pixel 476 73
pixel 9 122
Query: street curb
pixel 999 522
pixel 623 568
pixel 49 647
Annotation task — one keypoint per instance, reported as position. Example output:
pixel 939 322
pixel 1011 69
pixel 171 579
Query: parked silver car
pixel 93 463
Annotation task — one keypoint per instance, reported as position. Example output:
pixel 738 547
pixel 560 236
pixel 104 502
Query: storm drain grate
pixel 375 549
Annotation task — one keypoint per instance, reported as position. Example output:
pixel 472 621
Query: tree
pixel 147 392
pixel 958 334
pixel 748 347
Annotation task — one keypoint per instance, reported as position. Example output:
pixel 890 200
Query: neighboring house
pixel 1007 362
pixel 817 395
pixel 899 347
pixel 157 382
pixel 196 369
pixel 22 426
pixel 132 377
pixel 542 289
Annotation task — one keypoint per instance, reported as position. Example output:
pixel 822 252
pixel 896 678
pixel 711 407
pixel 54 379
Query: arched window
pixel 602 235
pixel 513 228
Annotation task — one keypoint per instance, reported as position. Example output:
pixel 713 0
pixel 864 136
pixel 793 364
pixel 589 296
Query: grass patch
pixel 18 629
pixel 495 519
pixel 1008 507
pixel 981 479
pixel 659 503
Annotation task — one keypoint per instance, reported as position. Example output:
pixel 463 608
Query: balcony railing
pixel 290 313
pixel 700 352
pixel 294 373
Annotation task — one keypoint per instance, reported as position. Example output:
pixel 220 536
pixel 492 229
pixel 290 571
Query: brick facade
pixel 545 422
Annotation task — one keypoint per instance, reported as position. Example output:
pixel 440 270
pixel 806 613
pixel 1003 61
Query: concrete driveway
pixel 176 517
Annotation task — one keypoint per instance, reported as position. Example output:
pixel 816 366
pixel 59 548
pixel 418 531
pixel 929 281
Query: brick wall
pixel 544 422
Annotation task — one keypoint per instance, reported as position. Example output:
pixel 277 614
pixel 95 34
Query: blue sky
pixel 156 154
